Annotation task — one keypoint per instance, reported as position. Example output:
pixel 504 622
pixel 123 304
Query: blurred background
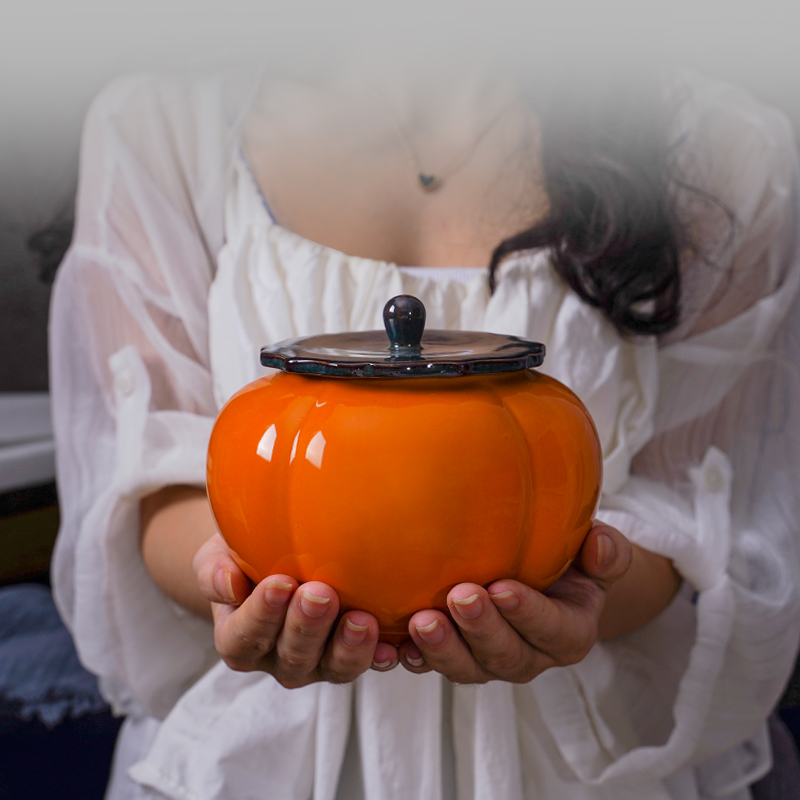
pixel 55 56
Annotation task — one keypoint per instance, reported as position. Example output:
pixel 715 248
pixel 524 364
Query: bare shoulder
pixel 736 160
pixel 727 142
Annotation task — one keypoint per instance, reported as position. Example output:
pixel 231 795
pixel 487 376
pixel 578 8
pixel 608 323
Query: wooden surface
pixel 26 545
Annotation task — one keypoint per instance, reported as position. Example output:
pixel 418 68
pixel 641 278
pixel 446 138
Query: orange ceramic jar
pixel 394 489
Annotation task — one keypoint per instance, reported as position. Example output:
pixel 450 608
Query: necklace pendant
pixel 427 182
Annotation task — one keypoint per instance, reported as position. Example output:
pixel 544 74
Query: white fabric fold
pixel 235 735
pixel 396 713
pixel 154 449
pixel 486 745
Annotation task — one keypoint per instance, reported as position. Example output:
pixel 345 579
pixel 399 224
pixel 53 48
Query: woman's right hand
pixel 285 629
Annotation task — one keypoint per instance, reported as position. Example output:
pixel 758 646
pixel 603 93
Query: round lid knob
pixel 404 320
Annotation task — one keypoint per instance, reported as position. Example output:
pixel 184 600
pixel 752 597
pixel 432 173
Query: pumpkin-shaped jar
pixel 393 470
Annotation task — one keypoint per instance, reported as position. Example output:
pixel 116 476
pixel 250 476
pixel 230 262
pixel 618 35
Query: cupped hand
pixel 513 633
pixel 287 630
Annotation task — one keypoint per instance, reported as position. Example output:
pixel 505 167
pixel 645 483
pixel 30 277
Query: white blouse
pixel 176 277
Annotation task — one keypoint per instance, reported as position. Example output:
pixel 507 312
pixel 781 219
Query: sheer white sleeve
pixel 715 489
pixel 132 397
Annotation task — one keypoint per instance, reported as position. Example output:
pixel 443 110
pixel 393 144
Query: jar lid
pixel 410 350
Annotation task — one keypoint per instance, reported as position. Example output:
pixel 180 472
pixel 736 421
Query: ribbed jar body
pixel 394 490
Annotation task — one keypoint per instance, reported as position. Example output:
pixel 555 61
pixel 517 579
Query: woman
pixel 179 272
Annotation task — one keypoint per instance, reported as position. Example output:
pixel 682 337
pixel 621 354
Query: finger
pixel 245 635
pixel 494 643
pixel 411 658
pixel 219 577
pixel 442 649
pixel 561 625
pixel 605 555
pixel 309 619
pixel 385 657
pixel 351 650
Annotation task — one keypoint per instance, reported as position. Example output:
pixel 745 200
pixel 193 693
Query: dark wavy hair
pixel 612 228
pixel 48 245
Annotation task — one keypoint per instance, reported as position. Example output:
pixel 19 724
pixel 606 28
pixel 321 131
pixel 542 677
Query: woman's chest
pixel 355 189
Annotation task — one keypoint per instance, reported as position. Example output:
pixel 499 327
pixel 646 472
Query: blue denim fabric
pixel 39 668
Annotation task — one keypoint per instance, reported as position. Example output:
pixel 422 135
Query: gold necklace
pixel 429 182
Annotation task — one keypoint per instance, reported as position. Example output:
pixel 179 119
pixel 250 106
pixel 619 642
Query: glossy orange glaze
pixel 394 490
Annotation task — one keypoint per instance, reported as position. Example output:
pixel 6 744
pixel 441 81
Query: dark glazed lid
pixel 408 352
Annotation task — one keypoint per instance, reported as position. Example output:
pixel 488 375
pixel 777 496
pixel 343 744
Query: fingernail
pixel 414 657
pixel 469 607
pixel 382 664
pixel 506 601
pixel 224 585
pixel 277 593
pixel 354 634
pixel 605 550
pixel 431 634
pixel 313 605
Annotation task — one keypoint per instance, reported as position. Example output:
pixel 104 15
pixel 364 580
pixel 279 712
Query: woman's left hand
pixel 511 632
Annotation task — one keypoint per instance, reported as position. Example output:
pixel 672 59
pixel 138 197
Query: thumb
pixel 605 555
pixel 218 575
